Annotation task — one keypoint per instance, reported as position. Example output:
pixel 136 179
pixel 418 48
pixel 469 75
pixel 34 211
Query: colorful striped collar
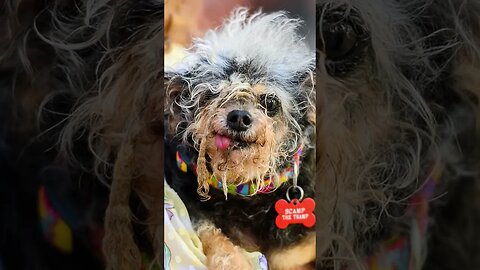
pixel 248 189
pixel 403 251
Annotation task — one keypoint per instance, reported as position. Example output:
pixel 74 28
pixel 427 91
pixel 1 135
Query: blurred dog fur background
pixel 397 98
pixel 63 60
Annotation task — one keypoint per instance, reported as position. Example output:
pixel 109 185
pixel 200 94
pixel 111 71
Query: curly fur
pixel 107 60
pixel 230 49
pixel 384 120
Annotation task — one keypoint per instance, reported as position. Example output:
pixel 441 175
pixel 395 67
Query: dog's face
pixel 244 98
pixel 245 129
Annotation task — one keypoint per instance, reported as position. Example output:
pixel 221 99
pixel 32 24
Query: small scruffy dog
pixel 398 108
pixel 241 118
pixel 397 103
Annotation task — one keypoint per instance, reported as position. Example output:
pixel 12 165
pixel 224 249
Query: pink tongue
pixel 222 142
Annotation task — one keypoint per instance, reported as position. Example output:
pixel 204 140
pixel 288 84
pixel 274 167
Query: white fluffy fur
pixel 254 36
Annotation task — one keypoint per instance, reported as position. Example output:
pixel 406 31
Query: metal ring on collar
pixel 295 187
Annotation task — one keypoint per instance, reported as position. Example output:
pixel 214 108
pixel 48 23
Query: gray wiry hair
pixel 380 119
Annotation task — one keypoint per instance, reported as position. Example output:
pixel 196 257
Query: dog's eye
pixel 343 39
pixel 339 42
pixel 271 103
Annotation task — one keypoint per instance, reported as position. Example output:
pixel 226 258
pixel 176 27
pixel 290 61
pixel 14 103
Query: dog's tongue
pixel 222 142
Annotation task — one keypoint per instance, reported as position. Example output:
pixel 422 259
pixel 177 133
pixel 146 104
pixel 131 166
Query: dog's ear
pixel 174 85
pixel 309 86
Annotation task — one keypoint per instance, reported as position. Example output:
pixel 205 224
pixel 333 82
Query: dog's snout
pixel 239 120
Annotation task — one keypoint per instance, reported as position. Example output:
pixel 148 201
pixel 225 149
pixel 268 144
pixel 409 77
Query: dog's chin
pixel 236 160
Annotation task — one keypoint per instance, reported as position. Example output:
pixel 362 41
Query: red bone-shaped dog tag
pixel 295 212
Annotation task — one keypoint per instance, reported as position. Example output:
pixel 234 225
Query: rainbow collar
pixel 248 189
pixel 401 251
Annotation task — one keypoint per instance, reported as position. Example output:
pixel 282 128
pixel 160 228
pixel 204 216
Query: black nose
pixel 239 120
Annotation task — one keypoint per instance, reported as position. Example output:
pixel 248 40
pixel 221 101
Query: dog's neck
pixel 270 183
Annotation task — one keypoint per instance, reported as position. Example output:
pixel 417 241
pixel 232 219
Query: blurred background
pixel 187 19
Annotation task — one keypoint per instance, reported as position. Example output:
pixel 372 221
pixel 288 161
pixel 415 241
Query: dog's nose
pixel 239 120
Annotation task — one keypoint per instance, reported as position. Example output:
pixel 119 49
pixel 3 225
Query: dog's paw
pixel 221 253
pixel 231 259
pixel 298 257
